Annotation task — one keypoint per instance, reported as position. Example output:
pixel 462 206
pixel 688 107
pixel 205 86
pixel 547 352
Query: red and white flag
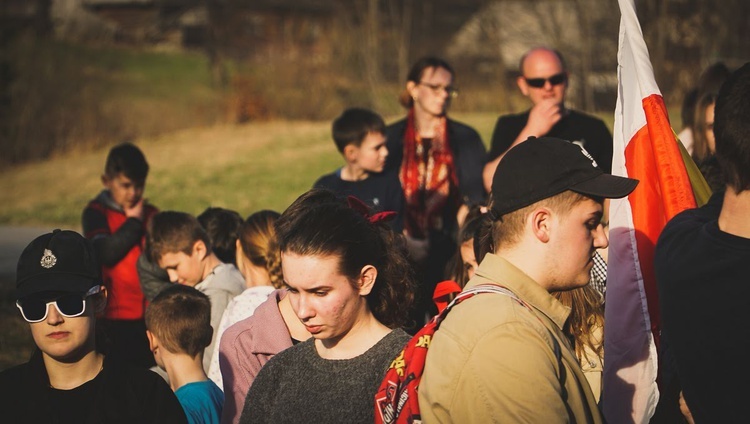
pixel 645 148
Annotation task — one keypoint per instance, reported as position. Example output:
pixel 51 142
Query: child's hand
pixel 135 211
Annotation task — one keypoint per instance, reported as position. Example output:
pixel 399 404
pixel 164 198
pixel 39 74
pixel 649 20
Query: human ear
pixel 411 87
pixel 350 152
pixel 199 247
pixel 367 277
pixel 521 81
pixel 100 301
pixel 540 221
pixel 151 340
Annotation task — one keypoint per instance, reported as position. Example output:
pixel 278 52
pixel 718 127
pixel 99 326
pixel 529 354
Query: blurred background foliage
pixel 81 74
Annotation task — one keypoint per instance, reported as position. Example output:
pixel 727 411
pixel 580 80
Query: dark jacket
pixel 119 394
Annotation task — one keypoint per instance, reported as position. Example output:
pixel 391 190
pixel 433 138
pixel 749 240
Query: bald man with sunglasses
pixel 544 80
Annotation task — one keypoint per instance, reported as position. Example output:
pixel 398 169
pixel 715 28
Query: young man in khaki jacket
pixel 501 357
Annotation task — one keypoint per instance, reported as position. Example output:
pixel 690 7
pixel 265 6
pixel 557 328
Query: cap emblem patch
pixel 48 260
pixel 588 155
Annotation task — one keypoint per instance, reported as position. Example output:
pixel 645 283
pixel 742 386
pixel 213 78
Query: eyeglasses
pixel 68 305
pixel 437 89
pixel 556 79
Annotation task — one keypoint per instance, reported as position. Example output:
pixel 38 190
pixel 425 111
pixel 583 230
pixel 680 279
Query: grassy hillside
pixel 60 97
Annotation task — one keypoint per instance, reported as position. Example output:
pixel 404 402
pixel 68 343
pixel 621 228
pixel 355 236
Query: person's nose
pixel 172 275
pixel 304 308
pixel 600 237
pixel 54 317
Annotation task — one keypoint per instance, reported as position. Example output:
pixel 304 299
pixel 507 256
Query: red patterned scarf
pixel 428 177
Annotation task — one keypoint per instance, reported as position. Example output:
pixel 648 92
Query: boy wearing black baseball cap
pixel 59 292
pixel 507 356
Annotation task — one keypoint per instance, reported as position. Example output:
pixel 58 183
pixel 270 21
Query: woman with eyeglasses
pixel 439 162
pixel 59 292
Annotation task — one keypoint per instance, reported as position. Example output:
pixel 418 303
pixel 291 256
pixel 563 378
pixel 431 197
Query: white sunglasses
pixel 68 305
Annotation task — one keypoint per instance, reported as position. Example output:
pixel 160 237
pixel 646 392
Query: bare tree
pixel 585 92
pixel 401 13
pixel 213 45
pixel 372 55
pixel 489 25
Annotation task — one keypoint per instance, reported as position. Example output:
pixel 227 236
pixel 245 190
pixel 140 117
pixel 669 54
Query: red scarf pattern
pixel 428 178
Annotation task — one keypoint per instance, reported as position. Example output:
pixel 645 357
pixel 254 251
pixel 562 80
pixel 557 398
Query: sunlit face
pixel 710 138
pixel 430 94
pixel 371 154
pixel 468 257
pixel 574 238
pixel 66 339
pixel 542 64
pixel 182 268
pixel 124 191
pixel 324 299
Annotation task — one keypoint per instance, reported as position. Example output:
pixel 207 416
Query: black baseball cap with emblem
pixel 543 167
pixel 60 261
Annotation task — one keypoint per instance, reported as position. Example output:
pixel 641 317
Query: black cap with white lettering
pixel 540 168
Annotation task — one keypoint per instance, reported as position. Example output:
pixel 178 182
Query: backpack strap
pixel 482 288
pixel 496 288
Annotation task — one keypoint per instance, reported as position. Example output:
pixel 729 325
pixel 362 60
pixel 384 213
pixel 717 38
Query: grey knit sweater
pixel 297 385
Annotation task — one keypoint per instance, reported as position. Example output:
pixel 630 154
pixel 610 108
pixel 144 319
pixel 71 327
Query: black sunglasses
pixel 69 306
pixel 556 79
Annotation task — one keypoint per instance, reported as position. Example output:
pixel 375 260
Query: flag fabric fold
pixel 645 148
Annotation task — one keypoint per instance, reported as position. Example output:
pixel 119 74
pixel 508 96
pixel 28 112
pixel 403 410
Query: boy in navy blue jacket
pixel 359 135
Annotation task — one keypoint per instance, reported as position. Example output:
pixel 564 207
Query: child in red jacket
pixel 115 221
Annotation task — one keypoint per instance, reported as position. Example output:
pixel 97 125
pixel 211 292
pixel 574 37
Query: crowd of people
pixel 160 316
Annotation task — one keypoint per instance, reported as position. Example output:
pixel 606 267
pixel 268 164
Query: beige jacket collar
pixel 496 270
